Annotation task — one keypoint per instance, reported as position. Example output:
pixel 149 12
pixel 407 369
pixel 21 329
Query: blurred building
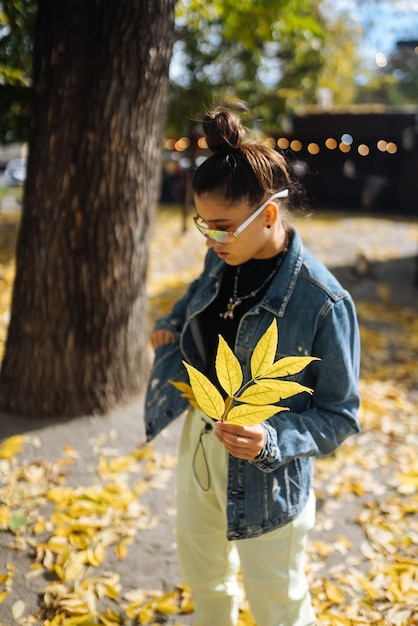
pixel 364 158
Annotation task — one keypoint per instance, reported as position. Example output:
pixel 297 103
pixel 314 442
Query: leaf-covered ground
pixel 86 516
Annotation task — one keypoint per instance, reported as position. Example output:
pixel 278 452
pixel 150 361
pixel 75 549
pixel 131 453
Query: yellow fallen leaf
pixel 166 607
pixel 333 593
pixel 95 556
pixel 121 551
pixel 11 446
pixel 4 517
pixel 111 618
pixel 3 596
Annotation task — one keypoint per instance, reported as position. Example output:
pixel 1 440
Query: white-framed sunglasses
pixel 224 236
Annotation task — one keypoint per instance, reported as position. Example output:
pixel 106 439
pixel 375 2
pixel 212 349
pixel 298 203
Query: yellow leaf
pixel 207 396
pixel 75 567
pixel 60 495
pixel 337 620
pixel 409 478
pixel 183 387
pixel 111 618
pixel 334 594
pixel 95 556
pixel 247 415
pixel 4 517
pixel 165 607
pixel 265 351
pixel 146 613
pixel 11 446
pixel 288 366
pixel 283 388
pixel 259 395
pixel 186 392
pixel 121 551
pixel 3 596
pixel 228 369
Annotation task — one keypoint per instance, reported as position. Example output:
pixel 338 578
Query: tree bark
pixel 77 341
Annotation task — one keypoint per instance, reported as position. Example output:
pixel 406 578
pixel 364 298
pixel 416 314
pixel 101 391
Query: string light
pixel 392 148
pixel 283 143
pixel 296 145
pixel 331 143
pixel 363 150
pixel 313 148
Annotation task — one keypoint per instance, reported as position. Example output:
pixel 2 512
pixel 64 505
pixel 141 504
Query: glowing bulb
pixel 381 60
pixel 283 143
pixel 363 150
pixel 296 145
pixel 269 142
pixel 313 148
pixel 347 139
pixel 331 143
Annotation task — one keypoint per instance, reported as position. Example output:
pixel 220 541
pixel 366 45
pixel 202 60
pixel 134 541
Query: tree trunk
pixel 77 341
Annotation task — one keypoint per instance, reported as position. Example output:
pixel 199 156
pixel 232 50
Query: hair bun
pixel 223 130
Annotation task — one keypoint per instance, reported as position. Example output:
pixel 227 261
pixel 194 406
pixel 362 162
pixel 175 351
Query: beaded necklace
pixel 236 300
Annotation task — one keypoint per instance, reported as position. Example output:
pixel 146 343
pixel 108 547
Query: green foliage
pixel 17 19
pixel 274 56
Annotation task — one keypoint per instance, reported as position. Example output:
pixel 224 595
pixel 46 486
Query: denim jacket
pixel 316 317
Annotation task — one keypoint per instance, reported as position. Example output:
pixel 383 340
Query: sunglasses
pixel 225 236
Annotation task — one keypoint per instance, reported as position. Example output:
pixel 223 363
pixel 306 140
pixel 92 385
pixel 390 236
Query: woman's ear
pixel 271 214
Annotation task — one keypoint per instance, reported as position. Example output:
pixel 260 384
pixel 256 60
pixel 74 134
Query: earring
pixel 268 226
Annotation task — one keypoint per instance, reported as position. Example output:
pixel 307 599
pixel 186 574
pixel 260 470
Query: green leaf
pixel 207 396
pixel 288 365
pixel 228 368
pixel 248 415
pixel 265 351
pixel 18 520
pixel 283 388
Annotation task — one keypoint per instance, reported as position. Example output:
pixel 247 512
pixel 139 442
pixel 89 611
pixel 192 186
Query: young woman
pixel 245 499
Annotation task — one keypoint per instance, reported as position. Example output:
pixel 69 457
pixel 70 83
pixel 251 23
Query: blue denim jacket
pixel 315 316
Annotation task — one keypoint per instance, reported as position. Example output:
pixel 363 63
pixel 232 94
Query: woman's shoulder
pixel 317 275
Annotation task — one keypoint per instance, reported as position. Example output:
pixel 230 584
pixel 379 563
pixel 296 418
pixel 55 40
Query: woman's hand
pixel 160 337
pixel 243 442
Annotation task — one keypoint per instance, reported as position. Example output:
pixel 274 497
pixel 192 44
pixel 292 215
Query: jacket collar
pixel 281 288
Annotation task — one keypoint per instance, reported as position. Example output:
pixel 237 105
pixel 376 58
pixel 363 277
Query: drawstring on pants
pixel 205 430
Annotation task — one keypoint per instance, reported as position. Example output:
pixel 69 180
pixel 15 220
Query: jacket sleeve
pixel 330 415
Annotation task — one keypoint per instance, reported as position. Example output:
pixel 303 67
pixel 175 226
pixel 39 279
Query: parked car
pixel 15 172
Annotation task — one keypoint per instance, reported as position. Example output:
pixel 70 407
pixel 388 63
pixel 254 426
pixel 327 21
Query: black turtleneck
pixel 211 323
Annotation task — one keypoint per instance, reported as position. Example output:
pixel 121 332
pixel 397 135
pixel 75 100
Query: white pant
pixel 272 565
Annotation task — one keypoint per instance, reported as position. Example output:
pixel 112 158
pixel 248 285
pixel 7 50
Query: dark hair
pixel 240 169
